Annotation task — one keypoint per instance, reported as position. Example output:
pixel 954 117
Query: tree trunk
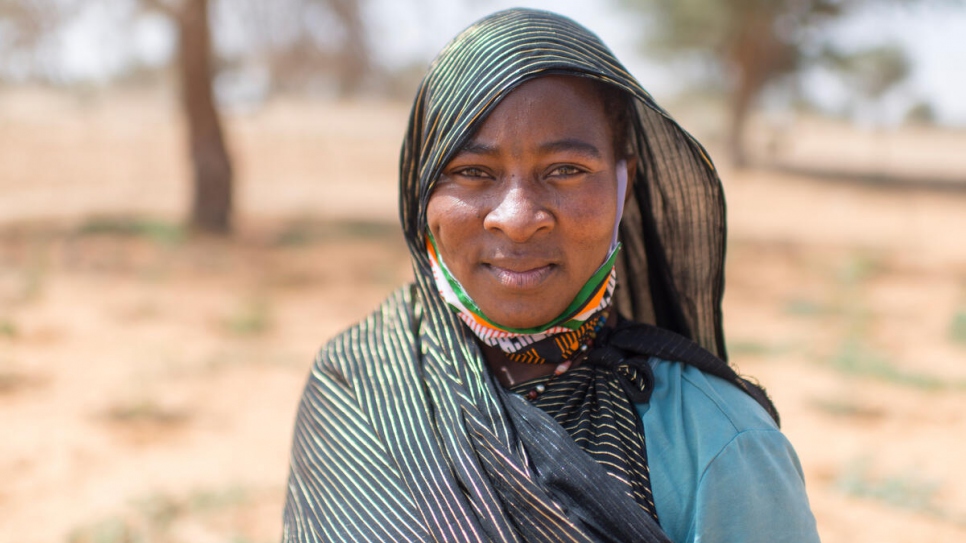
pixel 742 97
pixel 758 56
pixel 354 57
pixel 211 167
pixel 746 57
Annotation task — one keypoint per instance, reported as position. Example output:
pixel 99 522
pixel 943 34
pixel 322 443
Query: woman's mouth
pixel 521 279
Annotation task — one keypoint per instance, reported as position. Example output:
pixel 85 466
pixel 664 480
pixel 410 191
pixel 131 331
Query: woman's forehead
pixel 546 115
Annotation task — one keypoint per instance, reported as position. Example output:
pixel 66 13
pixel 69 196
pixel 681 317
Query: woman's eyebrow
pixel 571 144
pixel 478 148
pixel 567 144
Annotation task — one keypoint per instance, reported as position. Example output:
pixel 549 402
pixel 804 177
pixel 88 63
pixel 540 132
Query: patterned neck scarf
pixel 530 345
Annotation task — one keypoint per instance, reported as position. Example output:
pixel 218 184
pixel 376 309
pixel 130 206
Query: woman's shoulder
pixel 709 443
pixel 703 399
pixel 693 416
pixel 378 338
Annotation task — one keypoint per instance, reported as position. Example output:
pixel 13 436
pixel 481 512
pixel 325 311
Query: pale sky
pixel 933 37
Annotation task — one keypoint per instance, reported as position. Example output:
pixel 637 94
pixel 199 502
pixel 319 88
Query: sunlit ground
pixel 148 378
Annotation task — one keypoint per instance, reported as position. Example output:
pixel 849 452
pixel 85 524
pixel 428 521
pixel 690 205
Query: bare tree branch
pixel 755 42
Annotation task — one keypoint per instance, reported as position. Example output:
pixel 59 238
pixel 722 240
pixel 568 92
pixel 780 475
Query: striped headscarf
pixel 402 433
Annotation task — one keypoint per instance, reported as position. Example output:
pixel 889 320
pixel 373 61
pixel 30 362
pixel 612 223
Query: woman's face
pixel 523 215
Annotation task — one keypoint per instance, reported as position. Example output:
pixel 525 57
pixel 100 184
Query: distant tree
pixel 921 114
pixel 211 205
pixel 873 72
pixel 25 26
pixel 21 22
pixel 296 36
pixel 754 43
pixel 300 41
pixel 284 30
pixel 354 55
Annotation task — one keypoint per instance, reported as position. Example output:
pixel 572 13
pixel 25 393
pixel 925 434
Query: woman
pixel 513 393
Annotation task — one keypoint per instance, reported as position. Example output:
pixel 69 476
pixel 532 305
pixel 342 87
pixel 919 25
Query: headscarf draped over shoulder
pixel 402 434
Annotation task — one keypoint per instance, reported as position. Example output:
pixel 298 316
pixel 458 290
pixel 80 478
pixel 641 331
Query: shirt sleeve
pixel 753 491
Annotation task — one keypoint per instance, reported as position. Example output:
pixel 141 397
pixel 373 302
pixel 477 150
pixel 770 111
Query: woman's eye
pixel 565 171
pixel 471 172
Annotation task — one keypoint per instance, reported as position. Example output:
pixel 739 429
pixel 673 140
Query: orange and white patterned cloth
pixel 571 327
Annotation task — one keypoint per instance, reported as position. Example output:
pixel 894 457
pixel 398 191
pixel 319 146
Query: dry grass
pixel 148 378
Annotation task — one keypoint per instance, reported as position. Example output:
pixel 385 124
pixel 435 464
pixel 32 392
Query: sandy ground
pixel 148 378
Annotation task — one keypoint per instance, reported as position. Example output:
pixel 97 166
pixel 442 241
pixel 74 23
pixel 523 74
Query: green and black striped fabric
pixel 402 434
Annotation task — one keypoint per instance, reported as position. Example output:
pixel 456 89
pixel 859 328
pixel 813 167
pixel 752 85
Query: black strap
pixel 645 341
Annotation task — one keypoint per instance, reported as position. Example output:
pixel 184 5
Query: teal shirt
pixel 720 469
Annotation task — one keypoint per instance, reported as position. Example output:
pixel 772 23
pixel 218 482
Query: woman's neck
pixel 509 372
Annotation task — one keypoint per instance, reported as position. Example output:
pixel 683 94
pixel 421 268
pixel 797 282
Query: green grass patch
pixel 957 328
pixel 232 496
pixel 908 491
pixel 158 511
pixel 855 358
pixel 8 329
pixel 845 408
pixel 251 318
pixel 155 518
pixel 749 348
pixel 158 231
pixel 807 308
pixel 145 411
pixel 33 277
pixel 858 268
pixel 305 232
pixel 109 530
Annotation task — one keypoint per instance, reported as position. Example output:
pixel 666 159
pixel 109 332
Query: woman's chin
pixel 523 318
pixel 520 324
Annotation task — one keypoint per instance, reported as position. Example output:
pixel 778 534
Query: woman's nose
pixel 520 212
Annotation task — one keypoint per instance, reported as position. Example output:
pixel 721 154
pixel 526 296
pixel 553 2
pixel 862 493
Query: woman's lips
pixel 520 279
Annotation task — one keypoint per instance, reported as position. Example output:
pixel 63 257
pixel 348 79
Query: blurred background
pixel 196 194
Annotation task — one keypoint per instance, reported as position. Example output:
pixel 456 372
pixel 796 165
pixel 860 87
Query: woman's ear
pixel 631 176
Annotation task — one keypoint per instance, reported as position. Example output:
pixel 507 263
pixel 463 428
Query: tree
pixel 754 42
pixel 288 42
pixel 354 65
pixel 211 206
pixel 300 42
pixel 872 72
pixel 25 29
pixel 921 113
pixel 295 35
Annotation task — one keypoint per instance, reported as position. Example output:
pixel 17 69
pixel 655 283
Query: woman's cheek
pixel 454 222
pixel 592 218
